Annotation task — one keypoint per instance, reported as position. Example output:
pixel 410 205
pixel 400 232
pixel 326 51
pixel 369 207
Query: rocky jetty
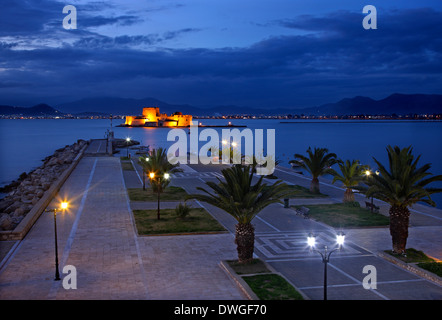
pixel 30 188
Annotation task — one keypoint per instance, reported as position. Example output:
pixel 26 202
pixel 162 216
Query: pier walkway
pixel 97 147
pixel 97 236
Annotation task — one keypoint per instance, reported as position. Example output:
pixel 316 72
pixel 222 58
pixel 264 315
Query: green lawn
pixel 342 215
pixel 255 266
pixel 434 267
pixel 169 194
pixel 302 192
pixel 198 221
pixel 267 286
pixel 420 258
pixel 272 287
pixel 411 255
pixel 127 165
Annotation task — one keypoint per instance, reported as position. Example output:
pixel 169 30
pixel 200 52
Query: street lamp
pixel 368 175
pixel 166 176
pixel 127 144
pixel 311 241
pixel 63 206
pixel 144 173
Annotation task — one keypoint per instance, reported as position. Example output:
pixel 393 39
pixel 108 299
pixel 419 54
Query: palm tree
pixel 352 173
pixel 403 185
pixel 317 163
pixel 157 167
pixel 243 201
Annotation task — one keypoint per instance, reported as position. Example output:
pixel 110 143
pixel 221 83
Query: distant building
pixel 152 117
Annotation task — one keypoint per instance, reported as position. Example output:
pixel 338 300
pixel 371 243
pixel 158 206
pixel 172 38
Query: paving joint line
pixel 135 237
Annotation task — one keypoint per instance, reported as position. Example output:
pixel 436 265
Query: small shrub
pixel 182 211
pixel 354 204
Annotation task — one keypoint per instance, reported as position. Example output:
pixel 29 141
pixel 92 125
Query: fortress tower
pixel 151 117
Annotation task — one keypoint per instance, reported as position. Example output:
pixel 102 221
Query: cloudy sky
pixel 262 53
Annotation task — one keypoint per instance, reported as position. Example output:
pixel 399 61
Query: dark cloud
pixel 329 58
pixel 105 42
pixel 27 17
pixel 43 17
pixel 95 21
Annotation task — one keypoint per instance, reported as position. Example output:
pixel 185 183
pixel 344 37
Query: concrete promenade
pixel 98 237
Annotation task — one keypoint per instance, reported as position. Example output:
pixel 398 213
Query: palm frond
pixel 403 183
pixel 238 196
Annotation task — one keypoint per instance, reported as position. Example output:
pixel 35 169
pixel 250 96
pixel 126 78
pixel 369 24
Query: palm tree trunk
pixel 399 218
pixel 314 185
pixel 245 241
pixel 348 195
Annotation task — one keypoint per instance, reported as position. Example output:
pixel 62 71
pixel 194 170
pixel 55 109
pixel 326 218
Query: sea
pixel 26 142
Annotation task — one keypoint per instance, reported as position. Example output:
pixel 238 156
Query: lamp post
pixel 368 175
pixel 63 206
pixel 165 176
pixel 144 174
pixel 311 241
pixel 127 144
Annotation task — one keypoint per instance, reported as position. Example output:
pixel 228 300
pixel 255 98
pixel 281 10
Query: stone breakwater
pixel 33 186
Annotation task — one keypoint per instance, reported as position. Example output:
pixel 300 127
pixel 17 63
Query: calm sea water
pixel 24 143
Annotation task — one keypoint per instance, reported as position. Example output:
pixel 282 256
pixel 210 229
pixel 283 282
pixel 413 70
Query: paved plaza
pixel 98 237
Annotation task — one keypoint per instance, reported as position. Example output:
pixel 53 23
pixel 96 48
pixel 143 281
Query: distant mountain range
pixel 399 104
pixel 39 110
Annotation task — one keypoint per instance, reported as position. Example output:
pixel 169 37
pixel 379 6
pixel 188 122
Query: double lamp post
pixel 325 255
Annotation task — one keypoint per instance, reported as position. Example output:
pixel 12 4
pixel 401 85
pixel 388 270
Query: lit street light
pixel 144 172
pixel 127 143
pixel 368 175
pixel 63 206
pixel 311 241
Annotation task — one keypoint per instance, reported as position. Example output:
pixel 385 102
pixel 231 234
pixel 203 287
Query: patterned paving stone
pixel 293 245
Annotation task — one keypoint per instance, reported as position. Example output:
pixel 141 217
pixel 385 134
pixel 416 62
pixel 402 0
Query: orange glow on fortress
pixel 153 118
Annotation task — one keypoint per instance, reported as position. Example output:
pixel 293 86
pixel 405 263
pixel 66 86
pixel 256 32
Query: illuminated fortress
pixel 152 117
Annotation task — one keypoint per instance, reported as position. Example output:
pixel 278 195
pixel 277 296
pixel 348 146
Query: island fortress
pixel 152 117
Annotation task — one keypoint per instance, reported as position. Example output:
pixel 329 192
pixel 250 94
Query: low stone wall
pixel 21 207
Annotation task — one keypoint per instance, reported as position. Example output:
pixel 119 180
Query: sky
pixel 256 53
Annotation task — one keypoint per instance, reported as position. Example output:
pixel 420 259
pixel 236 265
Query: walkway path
pixel 98 238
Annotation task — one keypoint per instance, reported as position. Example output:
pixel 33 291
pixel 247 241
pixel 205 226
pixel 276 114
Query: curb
pixel 241 284
pixel 28 221
pixel 413 268
pixel 245 288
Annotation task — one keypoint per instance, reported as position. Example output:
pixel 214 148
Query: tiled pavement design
pixel 285 246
